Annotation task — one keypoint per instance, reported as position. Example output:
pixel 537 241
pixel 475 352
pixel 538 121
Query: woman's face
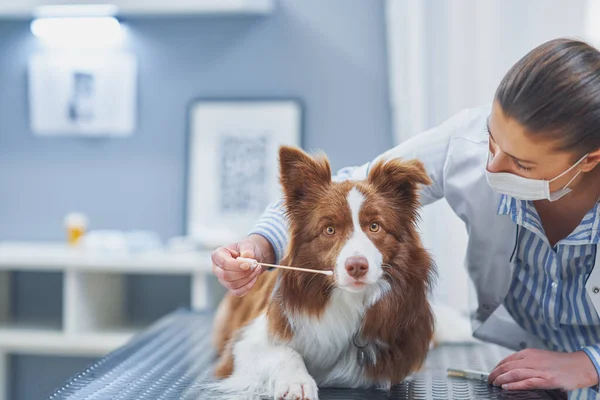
pixel 516 151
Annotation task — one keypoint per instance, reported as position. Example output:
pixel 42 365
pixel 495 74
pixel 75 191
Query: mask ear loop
pixel 569 170
pixel 565 189
pixel 571 181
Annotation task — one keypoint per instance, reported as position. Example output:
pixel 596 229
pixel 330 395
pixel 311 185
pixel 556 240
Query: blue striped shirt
pixel 547 295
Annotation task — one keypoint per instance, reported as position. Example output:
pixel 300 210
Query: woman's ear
pixel 591 161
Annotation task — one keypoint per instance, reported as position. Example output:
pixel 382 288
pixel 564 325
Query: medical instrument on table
pixel 468 374
pixel 254 264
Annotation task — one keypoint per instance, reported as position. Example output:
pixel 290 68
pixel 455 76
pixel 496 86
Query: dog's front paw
pixel 296 388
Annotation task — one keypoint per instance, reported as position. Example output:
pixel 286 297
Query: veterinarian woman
pixel 523 175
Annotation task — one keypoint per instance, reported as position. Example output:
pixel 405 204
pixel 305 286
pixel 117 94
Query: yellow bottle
pixel 76 225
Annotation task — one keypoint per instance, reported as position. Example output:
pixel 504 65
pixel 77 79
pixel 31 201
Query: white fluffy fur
pixel 451 326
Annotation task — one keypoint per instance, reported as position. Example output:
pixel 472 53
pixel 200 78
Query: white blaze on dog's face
pixel 359 262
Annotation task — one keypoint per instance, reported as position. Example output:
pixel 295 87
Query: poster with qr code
pixel 233 167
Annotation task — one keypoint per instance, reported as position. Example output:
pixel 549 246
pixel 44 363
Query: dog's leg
pixel 221 324
pixel 263 368
pixel 290 379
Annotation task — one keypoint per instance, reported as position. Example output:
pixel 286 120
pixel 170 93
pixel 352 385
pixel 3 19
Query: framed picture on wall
pixel 82 94
pixel 233 167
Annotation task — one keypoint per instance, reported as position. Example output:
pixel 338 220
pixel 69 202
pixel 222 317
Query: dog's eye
pixel 330 230
pixel 374 227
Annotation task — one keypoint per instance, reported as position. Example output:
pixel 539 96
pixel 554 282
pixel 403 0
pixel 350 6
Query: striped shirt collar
pixel 524 213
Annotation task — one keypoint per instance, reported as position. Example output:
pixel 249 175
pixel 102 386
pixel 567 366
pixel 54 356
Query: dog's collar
pixel 360 354
pixel 355 340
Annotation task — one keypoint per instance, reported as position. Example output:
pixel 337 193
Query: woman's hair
pixel 554 92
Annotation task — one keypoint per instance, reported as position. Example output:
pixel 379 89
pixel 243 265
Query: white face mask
pixel 528 189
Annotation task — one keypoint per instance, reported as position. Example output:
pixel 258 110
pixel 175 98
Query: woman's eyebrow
pixel 520 160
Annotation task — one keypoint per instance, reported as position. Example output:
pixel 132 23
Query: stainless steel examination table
pixel 172 357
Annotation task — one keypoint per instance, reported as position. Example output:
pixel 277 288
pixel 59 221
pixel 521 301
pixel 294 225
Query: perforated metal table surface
pixel 173 357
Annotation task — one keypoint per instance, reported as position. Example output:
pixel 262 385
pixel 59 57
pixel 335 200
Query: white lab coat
pixel 455 155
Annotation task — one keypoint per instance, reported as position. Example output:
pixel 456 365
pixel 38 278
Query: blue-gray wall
pixel 331 54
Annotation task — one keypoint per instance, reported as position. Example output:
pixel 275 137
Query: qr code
pixel 243 173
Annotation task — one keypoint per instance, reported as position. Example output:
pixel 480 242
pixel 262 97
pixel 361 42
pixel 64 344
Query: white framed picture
pixel 83 94
pixel 233 167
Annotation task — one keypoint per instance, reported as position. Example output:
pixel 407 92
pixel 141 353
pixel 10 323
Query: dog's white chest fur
pixel 321 350
pixel 322 340
pixel 326 343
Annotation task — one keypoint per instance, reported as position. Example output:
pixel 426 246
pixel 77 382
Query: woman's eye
pixel 521 166
pixel 330 230
pixel 374 227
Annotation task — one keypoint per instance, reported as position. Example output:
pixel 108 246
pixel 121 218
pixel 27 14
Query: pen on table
pixel 468 374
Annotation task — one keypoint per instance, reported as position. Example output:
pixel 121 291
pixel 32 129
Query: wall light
pixel 77 25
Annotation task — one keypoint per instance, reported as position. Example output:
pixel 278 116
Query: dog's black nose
pixel 357 266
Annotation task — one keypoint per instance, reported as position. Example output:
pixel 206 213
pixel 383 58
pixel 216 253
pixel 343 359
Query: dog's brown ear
pixel 301 174
pixel 401 177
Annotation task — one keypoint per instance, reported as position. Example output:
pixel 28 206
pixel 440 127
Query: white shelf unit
pixel 93 294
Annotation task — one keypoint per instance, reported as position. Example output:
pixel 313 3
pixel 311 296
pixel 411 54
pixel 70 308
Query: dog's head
pixel 358 229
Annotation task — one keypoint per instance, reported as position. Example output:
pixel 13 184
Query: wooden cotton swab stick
pixel 254 264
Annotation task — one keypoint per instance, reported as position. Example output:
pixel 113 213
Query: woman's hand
pixel 237 276
pixel 540 369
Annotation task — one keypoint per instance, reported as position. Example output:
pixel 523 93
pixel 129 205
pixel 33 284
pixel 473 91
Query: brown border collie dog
pixel 368 325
